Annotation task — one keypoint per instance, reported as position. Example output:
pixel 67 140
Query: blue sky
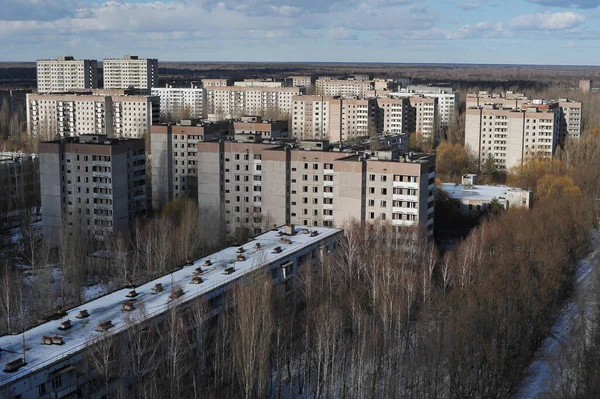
pixel 469 31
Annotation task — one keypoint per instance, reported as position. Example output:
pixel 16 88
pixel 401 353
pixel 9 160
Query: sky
pixel 558 32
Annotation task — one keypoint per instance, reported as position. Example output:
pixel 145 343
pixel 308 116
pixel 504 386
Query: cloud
pixel 340 33
pixel 548 21
pixel 568 3
pixel 470 5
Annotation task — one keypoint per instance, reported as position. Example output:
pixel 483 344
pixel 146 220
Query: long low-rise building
pixel 233 102
pixel 51 360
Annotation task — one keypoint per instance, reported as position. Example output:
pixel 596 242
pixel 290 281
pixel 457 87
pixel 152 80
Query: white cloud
pixel 548 21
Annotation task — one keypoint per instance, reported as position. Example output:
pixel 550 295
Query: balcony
pixel 404 197
pixel 403 223
pixel 327 195
pixel 398 184
pixel 408 211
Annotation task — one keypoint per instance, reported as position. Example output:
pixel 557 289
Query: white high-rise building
pixel 447 99
pixel 131 72
pixel 65 74
pixel 231 102
pixel 181 103
pixel 65 115
pixel 510 136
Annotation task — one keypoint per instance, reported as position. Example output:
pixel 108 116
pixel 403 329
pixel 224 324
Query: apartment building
pixel 233 102
pixel 180 103
pixel 267 129
pixel 447 99
pixel 20 182
pixel 65 115
pixel 571 117
pixel 63 369
pixel 175 158
pixel 585 85
pixel 258 83
pixel 569 110
pixel 426 116
pixel 300 81
pixel 141 74
pixel 66 73
pixel 92 184
pixel 395 116
pixel 332 118
pixel 316 117
pixel 206 83
pixel 252 185
pixel 342 88
pixel 511 136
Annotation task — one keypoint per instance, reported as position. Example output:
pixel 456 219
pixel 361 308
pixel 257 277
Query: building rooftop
pixel 99 139
pixel 477 192
pixel 108 307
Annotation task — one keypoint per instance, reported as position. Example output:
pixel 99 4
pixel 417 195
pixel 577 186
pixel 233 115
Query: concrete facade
pixel 68 115
pixel 65 74
pixel 233 102
pixel 141 74
pixel 252 185
pixel 175 159
pixel 176 101
pixel 342 88
pixel 510 136
pixel 92 184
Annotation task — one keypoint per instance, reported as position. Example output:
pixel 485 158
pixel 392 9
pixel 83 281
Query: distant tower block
pixel 585 85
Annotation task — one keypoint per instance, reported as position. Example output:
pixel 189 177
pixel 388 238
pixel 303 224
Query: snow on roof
pixel 108 307
pixel 476 192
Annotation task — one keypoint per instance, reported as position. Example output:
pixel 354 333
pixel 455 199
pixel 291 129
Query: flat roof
pixel 477 192
pixel 108 307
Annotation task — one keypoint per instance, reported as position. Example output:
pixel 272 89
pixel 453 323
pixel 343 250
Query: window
pixel 383 203
pixel 371 190
pixel 384 191
pixel 371 177
pixel 371 202
pixel 383 178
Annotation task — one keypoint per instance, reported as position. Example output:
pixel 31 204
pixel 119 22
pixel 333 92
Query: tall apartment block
pixel 511 136
pixel 253 185
pixel 130 71
pixel 233 102
pixel 92 184
pixel 267 129
pixel 342 88
pixel 65 74
pixel 64 115
pixel 175 158
pixel 447 99
pixel 569 111
pixel 395 116
pixel 585 85
pixel 333 118
pixel 20 182
pixel 180 103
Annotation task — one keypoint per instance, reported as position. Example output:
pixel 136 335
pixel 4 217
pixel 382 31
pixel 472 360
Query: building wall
pixel 254 185
pixel 233 102
pixel 95 188
pixel 66 73
pixel 173 101
pixel 343 88
pixel 67 115
pixel 510 137
pixel 131 72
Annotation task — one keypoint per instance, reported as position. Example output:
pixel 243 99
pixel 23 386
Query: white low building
pixel 475 199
